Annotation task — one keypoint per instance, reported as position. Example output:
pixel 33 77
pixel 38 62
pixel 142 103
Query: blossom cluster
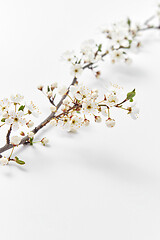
pixel 120 38
pixel 78 105
pixel 81 104
pixel 17 115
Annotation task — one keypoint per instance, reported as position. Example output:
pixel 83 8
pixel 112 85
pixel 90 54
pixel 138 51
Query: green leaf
pixel 48 88
pixel 21 108
pixel 31 141
pixel 130 41
pixel 130 95
pixel 129 22
pixel 3 120
pixel 100 48
pixel 19 161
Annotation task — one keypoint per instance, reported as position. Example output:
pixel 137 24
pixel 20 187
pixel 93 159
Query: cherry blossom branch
pixel 76 99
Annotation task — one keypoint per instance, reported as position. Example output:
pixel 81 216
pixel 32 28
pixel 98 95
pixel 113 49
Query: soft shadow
pixel 115 166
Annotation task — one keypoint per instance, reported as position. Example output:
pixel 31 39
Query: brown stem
pixel 118 104
pixel 148 28
pixel 8 135
pixel 75 106
pixel 103 105
pixel 149 19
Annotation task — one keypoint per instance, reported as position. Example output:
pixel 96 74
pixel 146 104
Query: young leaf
pixel 3 120
pixel 100 48
pixel 19 161
pixel 129 22
pixel 130 41
pixel 131 95
pixel 31 141
pixel 21 108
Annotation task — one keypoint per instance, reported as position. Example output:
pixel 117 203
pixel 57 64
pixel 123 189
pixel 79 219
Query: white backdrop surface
pixel 99 183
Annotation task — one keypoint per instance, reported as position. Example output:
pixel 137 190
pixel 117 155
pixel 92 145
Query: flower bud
pixel 98 119
pixel 30 124
pixel 40 87
pixel 30 134
pixel 53 109
pixel 54 85
pixel 110 122
pixel 53 122
pixel 22 134
pixel 4 161
pixel 44 141
pixel 86 122
pixel 49 94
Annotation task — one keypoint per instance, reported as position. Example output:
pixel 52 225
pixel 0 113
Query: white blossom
pixel 158 11
pixel 128 61
pixel 112 99
pixel 32 109
pixel 86 122
pixel 68 56
pixel 66 101
pixel 65 122
pixel 119 34
pixel 53 122
pixel 89 106
pixel 5 114
pixel 135 47
pixel 110 122
pixel 80 92
pixel 49 94
pixel 94 94
pixel 104 111
pixel 76 70
pixel 64 108
pixel 98 119
pixel 62 91
pixel 117 55
pixel 74 123
pixel 88 50
pixel 30 124
pixel 30 134
pixel 44 141
pixel 133 111
pixel 4 106
pixel 15 140
pixel 17 98
pixel 53 109
pixel 15 119
pixel 54 85
pixel 4 161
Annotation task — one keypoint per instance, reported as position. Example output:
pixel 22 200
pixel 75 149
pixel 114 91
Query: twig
pixel 8 135
pixel 149 19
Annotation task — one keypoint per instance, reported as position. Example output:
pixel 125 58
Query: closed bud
pixel 98 119
pixel 86 122
pixel 40 87
pixel 22 133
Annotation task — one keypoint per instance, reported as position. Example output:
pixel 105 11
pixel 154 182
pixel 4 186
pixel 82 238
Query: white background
pixel 99 183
